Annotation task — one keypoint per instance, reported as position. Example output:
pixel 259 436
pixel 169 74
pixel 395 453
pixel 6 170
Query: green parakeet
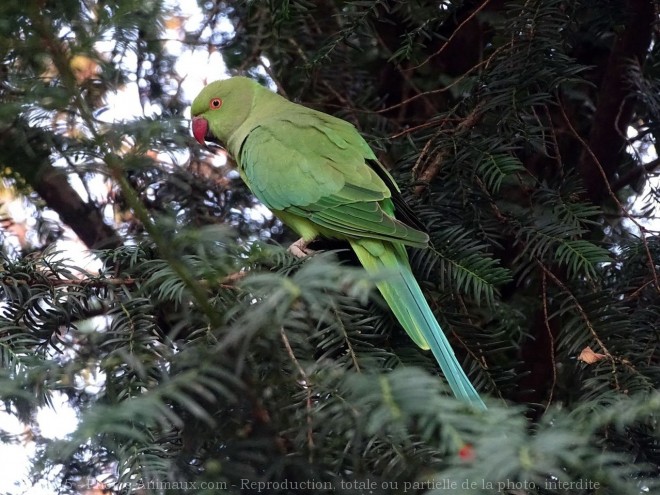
pixel 319 176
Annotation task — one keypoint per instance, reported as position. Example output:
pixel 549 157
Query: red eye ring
pixel 215 103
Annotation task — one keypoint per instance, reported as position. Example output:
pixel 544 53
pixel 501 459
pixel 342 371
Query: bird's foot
pixel 300 250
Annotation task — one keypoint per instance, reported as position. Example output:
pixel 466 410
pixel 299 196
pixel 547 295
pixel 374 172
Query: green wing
pixel 315 167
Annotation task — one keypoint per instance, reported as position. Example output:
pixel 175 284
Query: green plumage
pixel 319 176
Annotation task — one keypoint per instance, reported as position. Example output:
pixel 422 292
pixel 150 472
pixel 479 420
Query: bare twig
pixel 544 288
pixel 585 319
pixel 613 196
pixel 306 384
pixel 456 31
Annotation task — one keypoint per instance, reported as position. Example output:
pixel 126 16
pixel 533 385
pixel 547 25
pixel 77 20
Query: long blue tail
pixel 406 300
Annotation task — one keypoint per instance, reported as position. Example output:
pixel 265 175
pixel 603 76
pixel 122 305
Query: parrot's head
pixel 221 107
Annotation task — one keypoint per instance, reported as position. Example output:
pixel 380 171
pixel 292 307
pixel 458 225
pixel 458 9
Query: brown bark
pixel 83 218
pixel 615 103
pixel 26 151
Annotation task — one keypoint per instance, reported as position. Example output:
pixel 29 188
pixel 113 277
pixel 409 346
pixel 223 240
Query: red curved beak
pixel 200 127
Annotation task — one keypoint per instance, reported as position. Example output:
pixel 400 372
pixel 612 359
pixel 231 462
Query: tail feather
pixel 404 296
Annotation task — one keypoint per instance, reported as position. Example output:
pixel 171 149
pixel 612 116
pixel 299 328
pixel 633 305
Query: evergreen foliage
pixel 201 356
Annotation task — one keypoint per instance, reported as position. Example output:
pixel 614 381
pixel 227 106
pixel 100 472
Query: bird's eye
pixel 215 103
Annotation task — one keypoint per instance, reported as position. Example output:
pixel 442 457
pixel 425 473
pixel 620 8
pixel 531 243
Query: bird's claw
pixel 300 250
